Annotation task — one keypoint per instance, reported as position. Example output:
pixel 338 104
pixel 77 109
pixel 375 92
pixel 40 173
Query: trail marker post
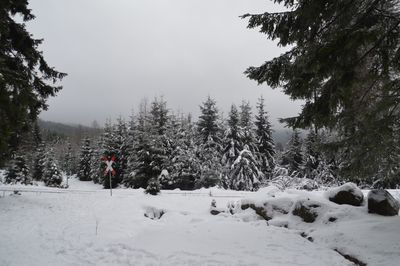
pixel 109 169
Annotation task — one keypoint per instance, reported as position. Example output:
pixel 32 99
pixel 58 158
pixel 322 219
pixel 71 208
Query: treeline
pixel 236 152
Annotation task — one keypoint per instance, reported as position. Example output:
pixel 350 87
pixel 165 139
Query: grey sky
pixel 117 52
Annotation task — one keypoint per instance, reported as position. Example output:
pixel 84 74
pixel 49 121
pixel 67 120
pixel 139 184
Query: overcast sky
pixel 116 52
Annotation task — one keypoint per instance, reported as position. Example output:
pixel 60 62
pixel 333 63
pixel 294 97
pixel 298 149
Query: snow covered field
pixel 85 226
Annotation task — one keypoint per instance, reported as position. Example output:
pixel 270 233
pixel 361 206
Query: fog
pixel 119 52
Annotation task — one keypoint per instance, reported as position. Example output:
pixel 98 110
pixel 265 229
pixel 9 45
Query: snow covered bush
pixel 283 180
pixel 153 187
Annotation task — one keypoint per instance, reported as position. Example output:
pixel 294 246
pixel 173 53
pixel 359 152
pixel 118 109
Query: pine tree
pixel 159 120
pixel 140 161
pixel 312 156
pixel 113 145
pixel 208 121
pixel 52 176
pixel 292 159
pixel 232 143
pixel 184 164
pixel 96 171
pixel 107 150
pixel 26 80
pixel 265 143
pixel 69 161
pixel 210 164
pixel 130 149
pixel 38 163
pixel 84 163
pixel 120 143
pixel 343 62
pixel 18 171
pixel 209 145
pixel 153 187
pixel 245 174
pixel 246 125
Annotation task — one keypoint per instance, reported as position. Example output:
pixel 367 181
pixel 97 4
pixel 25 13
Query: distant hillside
pixel 77 131
pixel 282 136
pixel 64 130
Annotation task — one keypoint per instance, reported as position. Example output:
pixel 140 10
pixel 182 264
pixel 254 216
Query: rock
pixel 309 238
pixel 261 211
pixel 381 202
pixel 332 219
pixel 306 210
pixel 269 208
pixel 213 208
pixel 214 212
pixel 348 193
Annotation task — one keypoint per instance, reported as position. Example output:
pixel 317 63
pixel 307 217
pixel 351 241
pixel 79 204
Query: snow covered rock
pixel 348 193
pixel 269 208
pixel 381 202
pixel 213 208
pixel 306 210
pixel 153 213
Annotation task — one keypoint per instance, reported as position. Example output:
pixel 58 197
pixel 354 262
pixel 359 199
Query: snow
pixel 85 226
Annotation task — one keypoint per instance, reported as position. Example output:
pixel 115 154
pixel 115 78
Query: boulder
pixel 269 208
pixel 381 202
pixel 348 193
pixel 261 211
pixel 213 208
pixel 306 210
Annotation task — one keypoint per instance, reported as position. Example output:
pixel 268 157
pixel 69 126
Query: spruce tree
pixel 69 160
pixel 208 121
pixel 26 80
pixel 96 171
pixel 245 173
pixel 38 163
pixel 140 161
pixel 210 164
pixel 84 160
pixel 209 145
pixel 343 62
pixel 18 171
pixel 246 124
pixel 120 144
pixel 113 146
pixel 52 176
pixel 159 148
pixel 184 164
pixel 292 159
pixel 130 149
pixel 265 143
pixel 232 142
pixel 312 156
